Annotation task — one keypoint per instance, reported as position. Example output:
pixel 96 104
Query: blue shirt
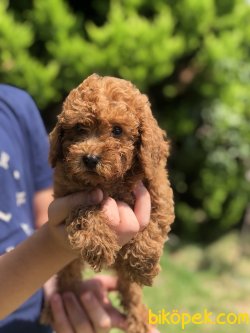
pixel 24 170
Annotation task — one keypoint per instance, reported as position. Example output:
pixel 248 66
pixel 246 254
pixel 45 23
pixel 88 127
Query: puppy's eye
pixel 80 129
pixel 117 131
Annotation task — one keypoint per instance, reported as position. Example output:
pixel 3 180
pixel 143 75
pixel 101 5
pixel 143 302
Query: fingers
pixel 123 219
pixel 110 209
pixel 91 316
pixel 60 208
pixel 118 320
pixel 100 285
pixel 102 317
pixel 68 315
pixel 61 323
pixel 109 282
pixel 142 207
pixel 76 314
pixel 97 314
pixel 128 226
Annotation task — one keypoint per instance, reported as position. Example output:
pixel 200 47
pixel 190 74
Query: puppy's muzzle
pixel 91 161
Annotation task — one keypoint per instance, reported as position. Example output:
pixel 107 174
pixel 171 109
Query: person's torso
pixel 16 210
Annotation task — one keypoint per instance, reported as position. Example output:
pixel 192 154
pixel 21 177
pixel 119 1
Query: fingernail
pixel 96 196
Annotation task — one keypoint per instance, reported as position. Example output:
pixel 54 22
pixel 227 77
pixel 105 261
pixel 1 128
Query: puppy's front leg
pixel 140 257
pixel 89 233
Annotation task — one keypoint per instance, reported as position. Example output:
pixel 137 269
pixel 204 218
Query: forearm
pixel 26 268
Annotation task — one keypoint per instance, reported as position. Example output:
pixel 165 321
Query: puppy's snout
pixel 91 161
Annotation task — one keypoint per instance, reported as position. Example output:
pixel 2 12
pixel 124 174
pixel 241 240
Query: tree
pixel 190 56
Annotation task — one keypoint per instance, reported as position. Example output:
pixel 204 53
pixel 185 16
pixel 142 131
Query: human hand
pixel 60 209
pixel 123 220
pixel 92 312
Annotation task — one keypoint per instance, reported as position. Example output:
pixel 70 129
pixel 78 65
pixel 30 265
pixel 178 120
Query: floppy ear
pixel 55 138
pixel 153 149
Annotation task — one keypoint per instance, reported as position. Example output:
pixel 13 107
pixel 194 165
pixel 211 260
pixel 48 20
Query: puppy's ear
pixel 55 138
pixel 153 146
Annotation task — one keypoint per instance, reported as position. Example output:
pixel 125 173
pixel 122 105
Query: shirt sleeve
pixel 36 137
pixel 39 147
pixel 39 144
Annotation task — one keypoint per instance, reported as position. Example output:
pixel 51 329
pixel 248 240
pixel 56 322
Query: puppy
pixel 107 138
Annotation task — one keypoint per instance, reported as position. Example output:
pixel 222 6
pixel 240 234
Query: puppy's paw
pixel 137 321
pixel 142 272
pixel 140 257
pixel 90 234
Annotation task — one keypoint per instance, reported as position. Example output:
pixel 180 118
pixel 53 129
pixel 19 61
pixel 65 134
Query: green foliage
pixel 18 66
pixel 190 56
pixel 129 41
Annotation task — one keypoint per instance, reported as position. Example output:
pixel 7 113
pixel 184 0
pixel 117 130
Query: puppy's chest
pixel 118 190
pixel 124 194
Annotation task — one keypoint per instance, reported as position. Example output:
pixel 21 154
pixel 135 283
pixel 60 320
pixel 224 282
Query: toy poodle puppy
pixel 107 138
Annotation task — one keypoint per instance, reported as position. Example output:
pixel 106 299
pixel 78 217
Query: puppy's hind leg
pixel 68 279
pixel 136 311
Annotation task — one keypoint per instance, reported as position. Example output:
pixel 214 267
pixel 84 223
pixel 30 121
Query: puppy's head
pixel 105 129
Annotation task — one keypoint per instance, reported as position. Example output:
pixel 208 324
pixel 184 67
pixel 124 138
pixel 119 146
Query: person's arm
pixel 42 200
pixel 26 268
pixel 29 265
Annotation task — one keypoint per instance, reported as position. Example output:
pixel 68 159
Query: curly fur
pixel 84 127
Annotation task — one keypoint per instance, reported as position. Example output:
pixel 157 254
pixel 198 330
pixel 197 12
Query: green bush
pixel 190 56
pixel 17 64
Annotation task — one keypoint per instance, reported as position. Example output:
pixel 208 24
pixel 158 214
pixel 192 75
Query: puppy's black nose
pixel 91 161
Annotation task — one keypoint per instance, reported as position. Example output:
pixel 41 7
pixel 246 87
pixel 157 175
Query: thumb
pixel 60 208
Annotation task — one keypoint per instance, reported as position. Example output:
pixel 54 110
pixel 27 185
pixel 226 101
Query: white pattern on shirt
pixel 20 198
pixel 5 217
pixel 4 160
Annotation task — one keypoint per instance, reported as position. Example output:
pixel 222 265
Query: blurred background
pixel 192 58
